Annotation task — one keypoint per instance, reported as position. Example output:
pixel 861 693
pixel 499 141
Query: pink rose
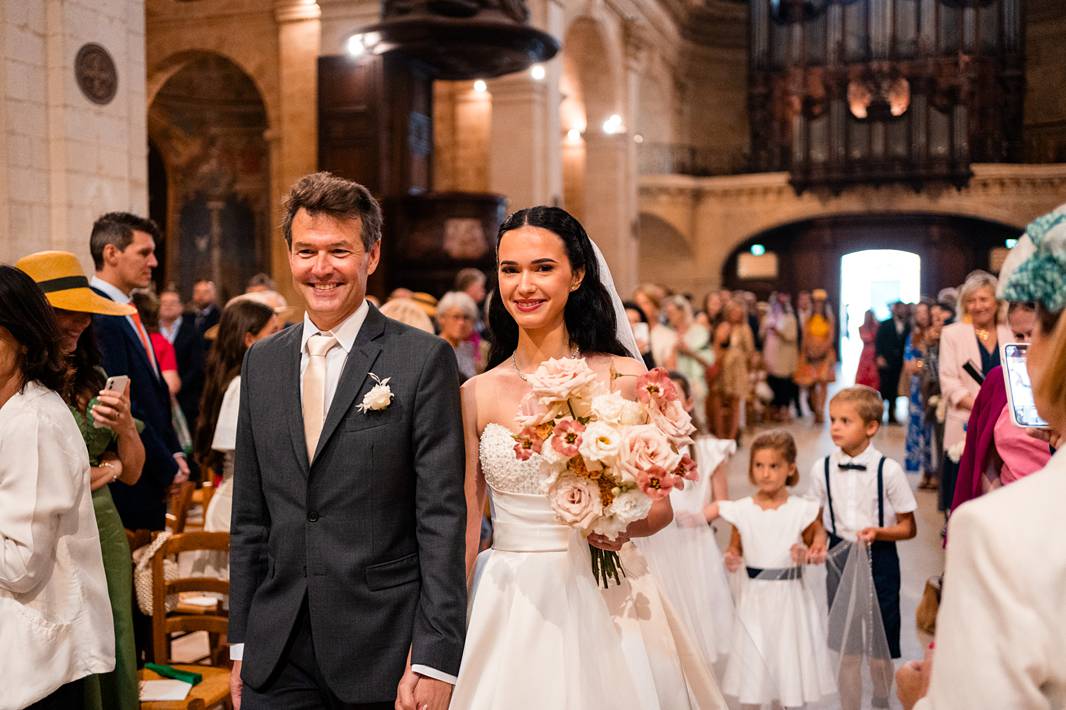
pixel 645 448
pixel 672 419
pixel 576 501
pixel 567 437
pixel 532 413
pixel 656 483
pixel 557 380
pixel 528 443
pixel 655 386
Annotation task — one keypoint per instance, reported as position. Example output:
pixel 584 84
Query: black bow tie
pixel 851 466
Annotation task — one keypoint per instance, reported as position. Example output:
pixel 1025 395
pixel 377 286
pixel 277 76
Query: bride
pixel 541 632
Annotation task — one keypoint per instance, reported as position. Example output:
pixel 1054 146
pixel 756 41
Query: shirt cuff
pixel 432 673
pixel 236 652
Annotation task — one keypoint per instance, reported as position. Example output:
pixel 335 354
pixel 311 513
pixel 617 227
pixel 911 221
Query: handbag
pixel 142 575
pixel 929 604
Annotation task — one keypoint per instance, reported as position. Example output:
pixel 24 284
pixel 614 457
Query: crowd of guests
pixel 112 394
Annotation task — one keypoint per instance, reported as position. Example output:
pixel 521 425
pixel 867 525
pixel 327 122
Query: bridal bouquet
pixel 606 459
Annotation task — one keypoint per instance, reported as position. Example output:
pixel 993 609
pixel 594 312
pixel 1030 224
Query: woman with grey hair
pixel 969 349
pixel 456 315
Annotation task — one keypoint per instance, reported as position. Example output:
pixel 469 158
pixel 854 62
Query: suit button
pixel 312 517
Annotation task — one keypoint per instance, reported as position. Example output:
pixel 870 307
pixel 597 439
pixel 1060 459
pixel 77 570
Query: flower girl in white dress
pixel 541 633
pixel 774 536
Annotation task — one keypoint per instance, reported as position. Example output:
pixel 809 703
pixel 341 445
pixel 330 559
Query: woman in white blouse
pixel 55 616
pixel 244 322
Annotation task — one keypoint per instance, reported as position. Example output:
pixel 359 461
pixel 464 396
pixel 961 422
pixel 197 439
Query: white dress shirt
pixel 170 332
pixel 345 333
pixel 855 492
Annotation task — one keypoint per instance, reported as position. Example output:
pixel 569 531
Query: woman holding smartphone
pixel 1001 633
pixel 116 454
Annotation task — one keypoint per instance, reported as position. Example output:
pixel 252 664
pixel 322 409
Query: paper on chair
pixel 164 690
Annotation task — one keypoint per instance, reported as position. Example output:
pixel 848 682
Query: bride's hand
pixel 606 543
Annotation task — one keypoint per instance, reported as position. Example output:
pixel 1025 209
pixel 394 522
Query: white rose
pixel 610 527
pixel 378 398
pixel 609 407
pixel 631 506
pixel 633 413
pixel 600 442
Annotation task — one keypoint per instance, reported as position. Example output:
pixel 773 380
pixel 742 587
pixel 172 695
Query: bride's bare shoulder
pixel 493 393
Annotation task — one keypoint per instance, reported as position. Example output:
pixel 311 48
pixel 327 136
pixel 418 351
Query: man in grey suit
pixel 348 585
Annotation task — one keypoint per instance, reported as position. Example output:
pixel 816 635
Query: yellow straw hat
pixel 819 294
pixel 65 285
pixel 426 302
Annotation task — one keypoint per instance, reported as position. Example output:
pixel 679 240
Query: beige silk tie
pixel 314 389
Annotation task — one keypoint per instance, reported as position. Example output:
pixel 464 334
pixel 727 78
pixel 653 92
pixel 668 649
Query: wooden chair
pixel 213 620
pixel 178 507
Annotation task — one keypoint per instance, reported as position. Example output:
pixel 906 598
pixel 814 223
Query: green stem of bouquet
pixel 606 566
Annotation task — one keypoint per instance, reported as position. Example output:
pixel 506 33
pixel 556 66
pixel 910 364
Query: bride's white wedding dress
pixel 542 634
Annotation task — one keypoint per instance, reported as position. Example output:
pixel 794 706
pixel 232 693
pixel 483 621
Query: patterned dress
pixel 919 457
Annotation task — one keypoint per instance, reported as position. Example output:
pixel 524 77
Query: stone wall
pixel 67 159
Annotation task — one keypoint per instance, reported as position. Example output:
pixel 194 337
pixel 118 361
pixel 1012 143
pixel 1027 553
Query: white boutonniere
pixel 379 397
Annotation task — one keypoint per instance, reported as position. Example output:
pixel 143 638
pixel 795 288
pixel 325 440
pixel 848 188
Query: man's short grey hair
pixel 457 300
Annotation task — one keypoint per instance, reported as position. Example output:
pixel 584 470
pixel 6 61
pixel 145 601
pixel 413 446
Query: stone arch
pixel 207 121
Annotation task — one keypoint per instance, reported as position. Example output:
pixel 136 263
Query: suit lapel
pixel 135 343
pixel 364 353
pixel 291 377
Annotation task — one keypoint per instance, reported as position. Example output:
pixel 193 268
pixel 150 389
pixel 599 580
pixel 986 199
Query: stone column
pixel 299 41
pixel 65 157
pixel 525 150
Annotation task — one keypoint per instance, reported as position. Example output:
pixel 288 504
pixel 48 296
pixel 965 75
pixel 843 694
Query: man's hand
pixel 882 362
pixel 816 553
pixel 405 691
pixel 432 694
pixel 867 534
pixel 236 685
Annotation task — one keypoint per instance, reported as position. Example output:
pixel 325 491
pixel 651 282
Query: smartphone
pixel 640 332
pixel 117 383
pixel 1019 388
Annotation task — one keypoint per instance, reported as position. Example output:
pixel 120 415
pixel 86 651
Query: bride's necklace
pixel 574 352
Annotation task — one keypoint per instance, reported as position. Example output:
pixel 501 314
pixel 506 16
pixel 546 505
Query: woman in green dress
pixel 116 454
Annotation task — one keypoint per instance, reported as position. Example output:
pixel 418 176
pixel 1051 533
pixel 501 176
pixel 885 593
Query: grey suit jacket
pixel 372 533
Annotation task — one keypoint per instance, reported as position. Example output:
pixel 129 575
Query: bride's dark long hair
pixel 589 313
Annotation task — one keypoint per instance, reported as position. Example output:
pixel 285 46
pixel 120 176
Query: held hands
pixel 816 553
pixel 417 692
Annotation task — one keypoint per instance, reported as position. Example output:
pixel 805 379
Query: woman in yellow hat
pixel 115 451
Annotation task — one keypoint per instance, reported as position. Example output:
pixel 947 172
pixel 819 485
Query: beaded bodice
pixel 502 470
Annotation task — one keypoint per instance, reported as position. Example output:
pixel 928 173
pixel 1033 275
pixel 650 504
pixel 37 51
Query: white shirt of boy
pixel 855 492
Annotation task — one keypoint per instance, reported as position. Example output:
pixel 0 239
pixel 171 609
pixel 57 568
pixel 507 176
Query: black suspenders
pixel 880 495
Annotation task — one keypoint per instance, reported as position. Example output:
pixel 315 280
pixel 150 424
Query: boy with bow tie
pixel 866 498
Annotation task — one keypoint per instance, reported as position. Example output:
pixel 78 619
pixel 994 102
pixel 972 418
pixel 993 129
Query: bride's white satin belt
pixel 526 523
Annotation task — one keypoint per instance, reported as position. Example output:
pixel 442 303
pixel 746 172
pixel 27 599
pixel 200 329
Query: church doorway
pixel 872 279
